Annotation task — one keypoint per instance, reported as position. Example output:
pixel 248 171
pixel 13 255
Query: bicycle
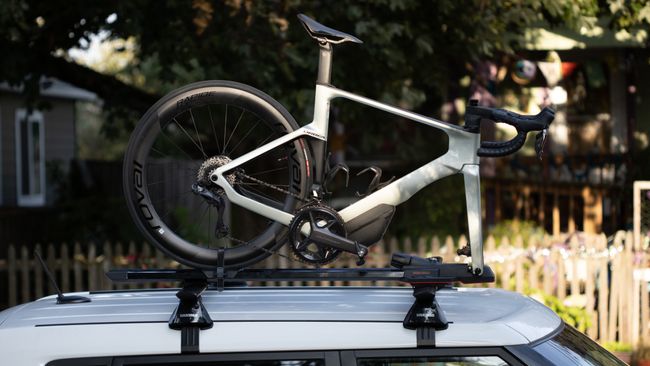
pixel 272 177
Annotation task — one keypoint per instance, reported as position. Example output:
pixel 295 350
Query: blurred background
pixel 76 76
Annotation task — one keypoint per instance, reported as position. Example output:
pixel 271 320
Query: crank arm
pixel 324 236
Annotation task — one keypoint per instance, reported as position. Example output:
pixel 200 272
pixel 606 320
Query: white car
pixel 316 326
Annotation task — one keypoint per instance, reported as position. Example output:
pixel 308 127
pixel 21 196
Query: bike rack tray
pixel 436 274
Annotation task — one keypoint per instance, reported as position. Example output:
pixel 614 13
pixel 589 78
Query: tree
pixel 414 51
pixel 411 46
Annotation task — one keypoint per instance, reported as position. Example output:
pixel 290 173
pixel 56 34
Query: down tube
pixel 403 188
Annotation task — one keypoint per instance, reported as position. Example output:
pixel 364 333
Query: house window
pixel 30 158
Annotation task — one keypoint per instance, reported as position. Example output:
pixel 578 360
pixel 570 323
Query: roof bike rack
pixel 426 275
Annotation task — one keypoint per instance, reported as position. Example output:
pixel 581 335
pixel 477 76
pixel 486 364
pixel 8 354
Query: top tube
pixel 330 92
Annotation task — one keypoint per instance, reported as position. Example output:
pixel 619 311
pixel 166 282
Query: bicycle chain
pixel 268 185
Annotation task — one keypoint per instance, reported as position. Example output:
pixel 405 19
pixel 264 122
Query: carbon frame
pixel 460 158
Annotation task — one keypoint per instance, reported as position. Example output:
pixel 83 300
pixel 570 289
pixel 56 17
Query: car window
pixel 240 363
pixel 434 361
pixel 572 348
pixel 195 360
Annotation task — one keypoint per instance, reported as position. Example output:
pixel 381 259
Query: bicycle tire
pixel 159 132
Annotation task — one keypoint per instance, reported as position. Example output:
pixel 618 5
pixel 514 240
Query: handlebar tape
pixel 502 148
pixel 523 124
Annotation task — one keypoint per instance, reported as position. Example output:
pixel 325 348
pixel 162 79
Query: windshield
pixel 571 347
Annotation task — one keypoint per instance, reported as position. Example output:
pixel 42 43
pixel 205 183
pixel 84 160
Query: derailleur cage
pixel 217 200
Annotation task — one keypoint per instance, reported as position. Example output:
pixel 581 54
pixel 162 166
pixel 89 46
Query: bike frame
pixel 460 158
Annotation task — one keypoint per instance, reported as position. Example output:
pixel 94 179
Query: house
pixel 31 140
pixel 33 144
pixel 597 79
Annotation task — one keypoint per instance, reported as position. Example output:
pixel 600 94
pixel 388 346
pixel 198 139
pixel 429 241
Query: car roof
pixel 280 318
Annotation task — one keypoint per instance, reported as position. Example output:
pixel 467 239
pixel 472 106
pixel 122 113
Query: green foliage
pixel 439 209
pixel 617 346
pixel 512 228
pixel 577 317
pixel 412 48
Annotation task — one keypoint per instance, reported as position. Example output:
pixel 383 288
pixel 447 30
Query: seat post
pixel 324 63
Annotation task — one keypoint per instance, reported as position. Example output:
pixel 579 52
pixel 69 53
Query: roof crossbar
pixel 426 275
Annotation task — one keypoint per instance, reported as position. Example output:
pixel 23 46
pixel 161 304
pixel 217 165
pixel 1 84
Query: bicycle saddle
pixel 322 33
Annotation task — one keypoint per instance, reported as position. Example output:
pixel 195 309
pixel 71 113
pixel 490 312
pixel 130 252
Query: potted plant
pixel 621 350
pixel 642 355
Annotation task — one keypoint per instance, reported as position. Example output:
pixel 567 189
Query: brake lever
pixel 540 142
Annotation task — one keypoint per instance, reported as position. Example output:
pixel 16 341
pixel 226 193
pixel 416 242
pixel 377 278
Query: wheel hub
pixel 207 174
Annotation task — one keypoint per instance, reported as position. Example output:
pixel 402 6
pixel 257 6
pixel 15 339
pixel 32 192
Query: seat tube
pixel 325 63
pixel 473 200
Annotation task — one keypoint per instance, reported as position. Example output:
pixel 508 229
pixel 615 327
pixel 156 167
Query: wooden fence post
pixel 603 288
pixel 131 257
pixel 91 267
pixel 53 266
pixel 590 283
pixel 38 275
pixel 25 267
pixel 119 260
pixel 65 268
pixel 107 263
pixel 519 265
pixel 78 257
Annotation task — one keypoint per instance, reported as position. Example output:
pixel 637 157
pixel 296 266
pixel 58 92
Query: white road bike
pixel 217 173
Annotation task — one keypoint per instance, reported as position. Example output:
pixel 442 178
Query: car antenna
pixel 60 297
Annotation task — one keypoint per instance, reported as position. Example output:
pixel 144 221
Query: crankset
pixel 317 236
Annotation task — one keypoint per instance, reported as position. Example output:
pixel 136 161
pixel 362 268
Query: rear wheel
pixel 173 153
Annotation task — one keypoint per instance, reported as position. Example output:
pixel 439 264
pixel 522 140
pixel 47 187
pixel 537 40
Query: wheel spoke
pixel 197 132
pixel 244 138
pixel 234 129
pixel 171 165
pixel 178 147
pixel 225 127
pixel 216 139
pixel 190 137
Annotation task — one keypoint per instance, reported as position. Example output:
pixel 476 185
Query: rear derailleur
pixel 219 202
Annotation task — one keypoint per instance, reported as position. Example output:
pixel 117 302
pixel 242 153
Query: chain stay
pixel 271 186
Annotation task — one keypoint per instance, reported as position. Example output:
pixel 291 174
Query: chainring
pixel 302 247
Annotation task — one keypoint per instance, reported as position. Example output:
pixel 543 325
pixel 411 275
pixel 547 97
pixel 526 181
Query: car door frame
pixel 349 358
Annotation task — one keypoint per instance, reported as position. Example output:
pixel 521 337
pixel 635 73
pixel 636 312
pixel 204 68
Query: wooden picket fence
pixel 608 277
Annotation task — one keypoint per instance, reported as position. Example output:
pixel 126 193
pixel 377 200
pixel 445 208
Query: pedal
pixel 375 183
pixel 332 172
